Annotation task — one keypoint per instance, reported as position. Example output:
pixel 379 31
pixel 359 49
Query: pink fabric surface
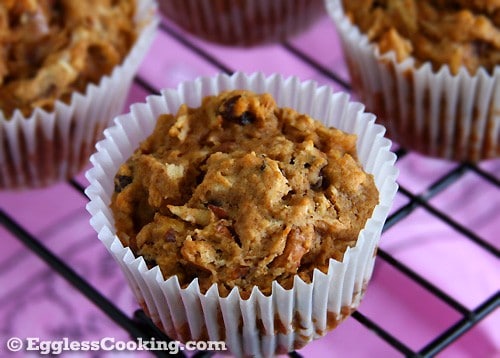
pixel 37 302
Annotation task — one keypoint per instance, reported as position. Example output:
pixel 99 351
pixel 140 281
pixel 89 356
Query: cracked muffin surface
pixel 241 193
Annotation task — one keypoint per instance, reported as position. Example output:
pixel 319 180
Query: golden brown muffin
pixel 50 49
pixel 240 192
pixel 445 32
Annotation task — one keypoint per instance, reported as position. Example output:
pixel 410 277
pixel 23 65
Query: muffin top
pixel 240 192
pixel 51 48
pixel 445 32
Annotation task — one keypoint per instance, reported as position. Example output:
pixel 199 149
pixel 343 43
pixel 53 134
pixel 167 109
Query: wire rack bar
pixel 399 215
pixel 448 220
pixel 444 182
pixel 485 175
pixel 78 187
pixel 461 327
pixel 320 68
pixel 141 326
pixel 386 336
pixel 436 291
pixel 146 85
pixel 415 201
pixel 196 49
pixel 71 276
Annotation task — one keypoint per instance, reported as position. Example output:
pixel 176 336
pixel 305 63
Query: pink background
pixel 37 302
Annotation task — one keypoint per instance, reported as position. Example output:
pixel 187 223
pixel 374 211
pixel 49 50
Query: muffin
pixel 428 70
pixel 243 22
pixel 241 193
pixel 236 216
pixel 57 61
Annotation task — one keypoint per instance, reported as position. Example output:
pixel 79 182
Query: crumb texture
pixel 240 192
pixel 52 48
pixel 445 32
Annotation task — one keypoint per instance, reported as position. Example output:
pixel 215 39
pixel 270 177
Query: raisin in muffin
pixel 428 69
pixel 241 193
pixel 57 58
pixel 235 216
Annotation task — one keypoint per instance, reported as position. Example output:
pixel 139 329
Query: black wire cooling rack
pixel 140 325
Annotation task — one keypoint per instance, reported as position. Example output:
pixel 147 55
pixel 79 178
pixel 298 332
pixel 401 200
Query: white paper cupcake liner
pixel 261 325
pixel 47 147
pixel 243 22
pixel 435 113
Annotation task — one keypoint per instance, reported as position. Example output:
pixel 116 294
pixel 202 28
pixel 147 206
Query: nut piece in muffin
pixel 445 32
pixel 50 49
pixel 240 192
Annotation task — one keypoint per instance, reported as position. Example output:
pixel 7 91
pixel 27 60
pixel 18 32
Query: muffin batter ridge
pixel 240 192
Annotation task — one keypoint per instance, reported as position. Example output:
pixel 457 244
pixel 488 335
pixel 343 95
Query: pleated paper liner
pixel 243 22
pixel 48 147
pixel 261 325
pixel 455 117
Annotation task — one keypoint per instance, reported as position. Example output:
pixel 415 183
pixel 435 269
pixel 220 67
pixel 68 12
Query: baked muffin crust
pixel 52 48
pixel 445 32
pixel 240 192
